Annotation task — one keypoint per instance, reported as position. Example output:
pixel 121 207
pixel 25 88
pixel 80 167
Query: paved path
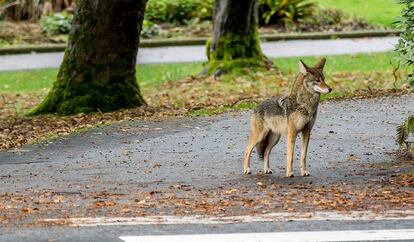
pixel 205 147
pixel 197 53
pixel 351 146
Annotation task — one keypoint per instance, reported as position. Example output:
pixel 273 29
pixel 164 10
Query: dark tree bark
pixel 98 70
pixel 235 41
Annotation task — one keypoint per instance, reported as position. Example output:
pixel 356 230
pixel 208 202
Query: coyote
pixel 287 115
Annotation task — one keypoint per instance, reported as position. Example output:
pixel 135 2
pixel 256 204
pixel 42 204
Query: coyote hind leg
pixel 261 146
pixel 257 134
pixel 273 139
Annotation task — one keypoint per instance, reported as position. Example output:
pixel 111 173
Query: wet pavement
pixel 204 151
pixel 179 54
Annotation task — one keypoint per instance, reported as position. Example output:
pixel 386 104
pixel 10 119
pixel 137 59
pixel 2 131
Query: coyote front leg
pixel 291 139
pixel 304 150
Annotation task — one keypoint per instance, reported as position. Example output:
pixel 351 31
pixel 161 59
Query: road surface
pixel 197 53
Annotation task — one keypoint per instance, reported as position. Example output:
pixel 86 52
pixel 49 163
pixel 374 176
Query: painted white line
pixel 270 217
pixel 316 236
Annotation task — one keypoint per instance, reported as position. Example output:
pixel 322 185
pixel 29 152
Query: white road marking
pixel 316 236
pixel 270 217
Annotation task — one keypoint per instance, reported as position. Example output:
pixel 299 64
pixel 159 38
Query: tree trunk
pixel 235 41
pixel 98 70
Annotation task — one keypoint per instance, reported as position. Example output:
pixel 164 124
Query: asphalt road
pixel 351 146
pixel 197 53
pixel 203 151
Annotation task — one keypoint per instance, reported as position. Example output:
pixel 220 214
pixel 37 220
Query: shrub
pixel 284 11
pixel 326 19
pixel 405 49
pixel 21 10
pixel 149 29
pixel 404 131
pixel 57 23
pixel 405 46
pixel 270 11
pixel 178 11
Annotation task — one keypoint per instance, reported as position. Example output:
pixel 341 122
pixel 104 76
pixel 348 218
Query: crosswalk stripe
pixel 313 236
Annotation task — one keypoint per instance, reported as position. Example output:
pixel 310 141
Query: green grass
pixel 26 81
pixel 343 63
pixel 377 12
pixel 153 75
pixel 147 75
pixel 150 75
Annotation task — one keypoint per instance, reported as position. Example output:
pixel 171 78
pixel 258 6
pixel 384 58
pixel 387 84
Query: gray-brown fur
pixel 273 106
pixel 287 114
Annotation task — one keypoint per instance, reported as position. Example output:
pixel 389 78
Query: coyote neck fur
pixel 305 100
pixel 300 99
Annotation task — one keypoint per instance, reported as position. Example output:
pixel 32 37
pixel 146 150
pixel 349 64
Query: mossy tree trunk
pixel 235 41
pixel 98 69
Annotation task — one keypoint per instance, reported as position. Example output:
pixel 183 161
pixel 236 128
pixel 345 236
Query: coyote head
pixel 314 80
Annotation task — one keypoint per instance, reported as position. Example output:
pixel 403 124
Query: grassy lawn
pixel 150 76
pixel 377 12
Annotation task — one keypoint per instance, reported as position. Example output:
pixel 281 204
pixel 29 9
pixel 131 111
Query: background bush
pixel 149 29
pixel 270 11
pixel 405 46
pixel 405 49
pixel 57 23
pixel 24 10
pixel 178 11
pixel 284 11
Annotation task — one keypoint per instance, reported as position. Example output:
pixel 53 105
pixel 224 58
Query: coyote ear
pixel 303 68
pixel 321 64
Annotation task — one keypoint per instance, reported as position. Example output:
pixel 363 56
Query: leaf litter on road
pixel 388 193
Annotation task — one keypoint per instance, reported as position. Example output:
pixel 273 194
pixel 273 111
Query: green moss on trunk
pixel 235 43
pixel 236 46
pixel 236 51
pixel 98 70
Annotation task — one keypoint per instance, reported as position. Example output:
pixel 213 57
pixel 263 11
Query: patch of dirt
pixel 16 129
pixel 405 154
pixel 23 33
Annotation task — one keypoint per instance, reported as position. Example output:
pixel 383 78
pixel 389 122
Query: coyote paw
pixel 267 171
pixel 305 173
pixel 289 175
pixel 247 171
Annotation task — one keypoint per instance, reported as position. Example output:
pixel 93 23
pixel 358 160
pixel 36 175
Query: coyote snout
pixel 322 88
pixel 288 115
